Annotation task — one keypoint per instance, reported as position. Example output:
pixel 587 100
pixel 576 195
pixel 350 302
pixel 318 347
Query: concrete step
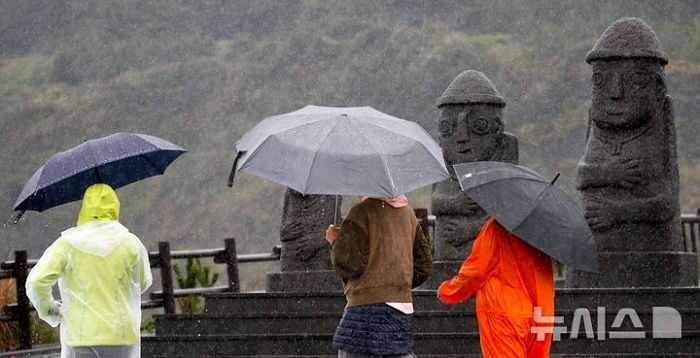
pixel 612 299
pixel 617 298
pixel 292 344
pixel 458 344
pixel 424 322
pixel 302 324
pixel 290 323
pixel 331 302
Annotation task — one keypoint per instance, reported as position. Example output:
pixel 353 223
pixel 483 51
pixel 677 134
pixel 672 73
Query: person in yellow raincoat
pixel 102 270
pixel 514 286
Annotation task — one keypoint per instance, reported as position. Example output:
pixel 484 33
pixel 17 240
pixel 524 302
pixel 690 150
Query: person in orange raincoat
pixel 511 280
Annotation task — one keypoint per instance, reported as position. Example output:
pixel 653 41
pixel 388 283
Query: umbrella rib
pixel 150 162
pixel 110 160
pixel 384 161
pixel 507 178
pixel 313 161
pixel 268 134
pixel 413 138
pixel 537 203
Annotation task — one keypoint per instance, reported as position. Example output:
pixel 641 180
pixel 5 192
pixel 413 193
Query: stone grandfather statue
pixel 628 175
pixel 303 231
pixel 471 129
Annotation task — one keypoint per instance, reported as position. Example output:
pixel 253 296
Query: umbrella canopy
pixel 532 208
pixel 117 160
pixel 342 151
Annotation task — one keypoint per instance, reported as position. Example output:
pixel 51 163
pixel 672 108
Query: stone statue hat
pixel 627 37
pixel 471 87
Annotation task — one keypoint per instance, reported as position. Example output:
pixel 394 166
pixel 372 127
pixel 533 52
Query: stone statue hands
pixel 601 213
pixel 309 245
pixel 628 173
pixel 623 173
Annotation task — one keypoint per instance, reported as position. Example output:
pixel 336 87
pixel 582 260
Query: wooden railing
pixel 18 269
pixel 162 259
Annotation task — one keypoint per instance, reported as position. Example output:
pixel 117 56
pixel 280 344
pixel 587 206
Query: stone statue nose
pixel 616 88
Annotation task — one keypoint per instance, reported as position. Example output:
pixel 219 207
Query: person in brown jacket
pixel 380 253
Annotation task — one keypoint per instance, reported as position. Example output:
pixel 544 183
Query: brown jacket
pixel 381 253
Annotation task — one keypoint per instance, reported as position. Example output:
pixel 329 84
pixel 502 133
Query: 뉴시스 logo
pixel 666 323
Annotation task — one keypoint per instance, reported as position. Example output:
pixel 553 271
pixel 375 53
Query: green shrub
pixel 195 272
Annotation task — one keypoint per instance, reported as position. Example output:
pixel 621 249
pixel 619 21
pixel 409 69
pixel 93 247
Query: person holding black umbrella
pixel 102 269
pixel 510 267
pixel 514 283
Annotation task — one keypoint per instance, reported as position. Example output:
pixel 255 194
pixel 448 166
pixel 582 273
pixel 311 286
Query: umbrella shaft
pixel 335 212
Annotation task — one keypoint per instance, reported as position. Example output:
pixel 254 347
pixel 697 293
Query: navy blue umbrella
pixel 117 160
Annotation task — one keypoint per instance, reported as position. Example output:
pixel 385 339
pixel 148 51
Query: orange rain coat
pixel 510 278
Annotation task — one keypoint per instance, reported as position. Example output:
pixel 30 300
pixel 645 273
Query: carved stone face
pixel 469 132
pixel 625 93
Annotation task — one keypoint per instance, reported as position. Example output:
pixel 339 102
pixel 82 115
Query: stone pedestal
pixel 303 281
pixel 639 269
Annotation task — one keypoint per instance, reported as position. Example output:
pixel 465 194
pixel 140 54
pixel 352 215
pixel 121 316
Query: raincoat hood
pixel 98 231
pixel 100 203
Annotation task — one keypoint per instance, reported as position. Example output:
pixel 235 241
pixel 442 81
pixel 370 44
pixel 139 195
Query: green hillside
pixel 202 72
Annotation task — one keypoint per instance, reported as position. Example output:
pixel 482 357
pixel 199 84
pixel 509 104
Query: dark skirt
pixel 376 329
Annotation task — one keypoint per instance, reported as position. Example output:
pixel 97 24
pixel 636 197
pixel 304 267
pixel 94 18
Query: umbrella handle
pixel 98 177
pixel 335 212
pixel 18 216
pixel 555 179
pixel 233 170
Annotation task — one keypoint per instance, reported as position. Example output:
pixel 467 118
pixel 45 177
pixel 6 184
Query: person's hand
pixel 332 233
pixel 55 310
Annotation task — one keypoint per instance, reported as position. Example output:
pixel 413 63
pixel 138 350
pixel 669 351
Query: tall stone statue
pixel 305 219
pixel 471 129
pixel 628 175
pixel 305 258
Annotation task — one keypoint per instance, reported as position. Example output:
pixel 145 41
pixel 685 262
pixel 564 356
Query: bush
pixel 194 273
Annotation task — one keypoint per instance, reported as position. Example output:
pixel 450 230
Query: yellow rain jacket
pixel 101 270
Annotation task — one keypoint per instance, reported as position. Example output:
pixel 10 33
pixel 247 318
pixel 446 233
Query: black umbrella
pixel 532 208
pixel 117 160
